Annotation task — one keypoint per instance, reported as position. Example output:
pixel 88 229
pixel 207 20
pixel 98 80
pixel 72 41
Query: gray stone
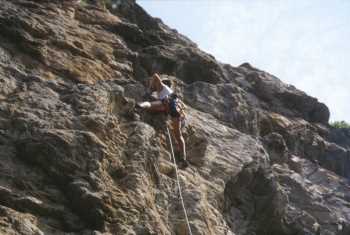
pixel 75 157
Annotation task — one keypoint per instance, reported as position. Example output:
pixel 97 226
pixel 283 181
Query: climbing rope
pixel 178 181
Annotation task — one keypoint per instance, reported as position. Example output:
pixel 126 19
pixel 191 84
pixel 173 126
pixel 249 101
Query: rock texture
pixel 76 159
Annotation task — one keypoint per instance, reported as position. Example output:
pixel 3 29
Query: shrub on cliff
pixel 340 124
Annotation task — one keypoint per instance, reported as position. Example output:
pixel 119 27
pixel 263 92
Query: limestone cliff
pixel 76 159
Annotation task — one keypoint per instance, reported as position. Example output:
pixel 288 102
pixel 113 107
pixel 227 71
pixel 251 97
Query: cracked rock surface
pixel 75 158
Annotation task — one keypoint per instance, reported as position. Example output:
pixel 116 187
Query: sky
pixel 303 42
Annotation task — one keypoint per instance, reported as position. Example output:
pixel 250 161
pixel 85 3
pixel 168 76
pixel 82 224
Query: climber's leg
pixel 180 141
pixel 157 106
pixel 154 106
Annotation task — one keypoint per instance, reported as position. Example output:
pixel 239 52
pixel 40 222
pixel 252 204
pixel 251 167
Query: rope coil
pixel 178 182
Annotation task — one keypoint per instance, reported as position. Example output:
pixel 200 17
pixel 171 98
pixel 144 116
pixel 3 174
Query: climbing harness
pixel 174 106
pixel 178 181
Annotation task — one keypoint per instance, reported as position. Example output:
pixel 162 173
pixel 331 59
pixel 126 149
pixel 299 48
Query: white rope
pixel 178 181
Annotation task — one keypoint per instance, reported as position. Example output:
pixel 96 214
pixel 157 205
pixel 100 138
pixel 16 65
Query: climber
pixel 168 102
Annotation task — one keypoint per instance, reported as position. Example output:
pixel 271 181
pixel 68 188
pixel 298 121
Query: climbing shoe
pixel 182 163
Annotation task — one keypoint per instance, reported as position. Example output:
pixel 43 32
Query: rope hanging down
pixel 178 181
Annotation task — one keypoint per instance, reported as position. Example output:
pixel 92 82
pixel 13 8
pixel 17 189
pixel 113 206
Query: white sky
pixel 303 42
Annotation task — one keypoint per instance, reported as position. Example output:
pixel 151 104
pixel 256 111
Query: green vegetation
pixel 340 124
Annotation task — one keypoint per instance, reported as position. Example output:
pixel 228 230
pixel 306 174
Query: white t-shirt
pixel 166 91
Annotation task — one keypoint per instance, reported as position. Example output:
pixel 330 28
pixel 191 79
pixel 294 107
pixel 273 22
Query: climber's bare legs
pixel 180 141
pixel 157 106
pixel 154 106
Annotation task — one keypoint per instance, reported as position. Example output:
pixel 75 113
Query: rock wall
pixel 76 159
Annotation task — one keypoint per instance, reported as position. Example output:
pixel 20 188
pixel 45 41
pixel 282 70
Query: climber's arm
pixel 156 82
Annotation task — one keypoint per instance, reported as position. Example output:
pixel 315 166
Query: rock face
pixel 76 159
